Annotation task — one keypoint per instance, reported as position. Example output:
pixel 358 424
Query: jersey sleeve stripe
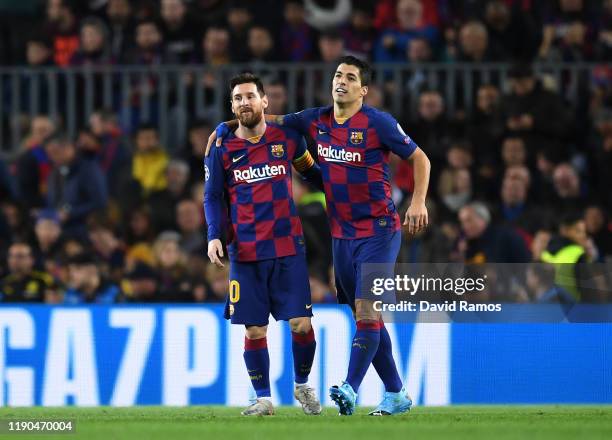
pixel 304 162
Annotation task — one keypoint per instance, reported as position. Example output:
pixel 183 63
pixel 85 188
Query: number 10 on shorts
pixel 234 291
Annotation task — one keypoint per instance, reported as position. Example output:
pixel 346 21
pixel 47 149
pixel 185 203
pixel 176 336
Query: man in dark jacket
pixel 537 115
pixel 76 186
pixel 486 243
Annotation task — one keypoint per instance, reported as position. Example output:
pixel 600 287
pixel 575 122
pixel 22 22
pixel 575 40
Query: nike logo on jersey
pixel 237 158
pixel 322 132
pixel 308 306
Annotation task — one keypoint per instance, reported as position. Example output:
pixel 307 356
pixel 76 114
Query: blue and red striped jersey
pixel 354 160
pixel 251 181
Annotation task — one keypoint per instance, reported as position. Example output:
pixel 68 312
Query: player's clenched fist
pixel 215 252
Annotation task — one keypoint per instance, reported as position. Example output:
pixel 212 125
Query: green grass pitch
pixel 423 423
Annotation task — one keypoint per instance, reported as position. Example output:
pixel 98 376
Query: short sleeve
pixel 392 135
pixel 302 120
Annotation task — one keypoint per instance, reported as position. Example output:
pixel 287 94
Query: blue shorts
pixel 350 255
pixel 278 286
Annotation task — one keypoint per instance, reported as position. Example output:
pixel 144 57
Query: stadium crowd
pixel 115 216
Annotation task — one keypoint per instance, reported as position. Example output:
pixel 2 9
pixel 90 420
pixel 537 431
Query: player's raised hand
pixel 416 218
pixel 215 252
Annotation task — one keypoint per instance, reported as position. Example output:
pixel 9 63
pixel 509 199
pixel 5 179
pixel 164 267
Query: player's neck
pixel 345 111
pixel 255 132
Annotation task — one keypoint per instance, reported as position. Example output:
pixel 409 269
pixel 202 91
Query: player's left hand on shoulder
pixel 416 218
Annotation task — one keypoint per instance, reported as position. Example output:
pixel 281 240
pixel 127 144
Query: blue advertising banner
pixel 189 355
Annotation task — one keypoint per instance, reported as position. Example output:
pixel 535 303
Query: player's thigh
pixel 289 288
pixel 375 258
pixel 344 271
pixel 247 300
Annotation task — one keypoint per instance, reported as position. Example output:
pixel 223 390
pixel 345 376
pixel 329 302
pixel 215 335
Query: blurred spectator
pixel 598 226
pixel 193 153
pixel 239 19
pixel 541 284
pixel 23 283
pixel 359 35
pixel 511 29
pixel 535 114
pixel 392 43
pixel 76 187
pixel 261 45
pixel 150 160
pixel 190 221
pixel 180 32
pixel 485 129
pixel 94 47
pixel 325 15
pixel 374 98
pixel 432 129
pixel 514 152
pixel 518 212
pixel 48 241
pixel 568 190
pixel 38 52
pixel 573 47
pixel 34 87
pixel 310 206
pixel 7 185
pixel 484 242
pixel 175 284
pixel 218 280
pixel 569 250
pixel 149 45
pixel 113 155
pixel 331 46
pixel 296 36
pixel 277 97
pixel 601 140
pixel 603 46
pixel 215 46
pixel 62 28
pixel 163 203
pixel 33 165
pixel 475 45
pixel 455 189
pixel 107 247
pixel 141 284
pixel 121 27
pixel 429 246
pixel 562 19
pixel 139 227
pixel 13 219
pixel 86 284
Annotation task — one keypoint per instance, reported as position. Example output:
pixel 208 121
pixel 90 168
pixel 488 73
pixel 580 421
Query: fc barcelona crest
pixel 356 137
pixel 277 150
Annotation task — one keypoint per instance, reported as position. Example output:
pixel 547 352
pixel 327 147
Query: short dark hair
pixel 145 126
pixel 247 78
pixel 520 70
pixel 365 71
pixel 571 217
